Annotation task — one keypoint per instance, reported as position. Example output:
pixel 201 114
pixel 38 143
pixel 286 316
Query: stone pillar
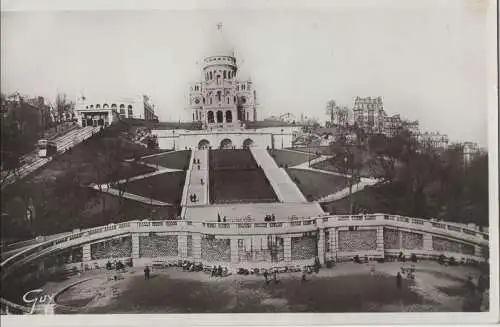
pixel 86 251
pixel 478 252
pixel 400 239
pixel 135 246
pixel 336 241
pixel 182 246
pixel 234 250
pixel 196 246
pixel 321 245
pixel 380 240
pixel 287 247
pixel 428 243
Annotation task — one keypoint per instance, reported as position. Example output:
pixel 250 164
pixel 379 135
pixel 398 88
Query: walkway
pixel 254 211
pixel 196 180
pixel 107 189
pixel 364 182
pixel 285 188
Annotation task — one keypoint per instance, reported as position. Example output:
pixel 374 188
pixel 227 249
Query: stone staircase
pixel 285 188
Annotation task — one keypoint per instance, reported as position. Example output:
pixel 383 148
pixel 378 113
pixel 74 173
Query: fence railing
pixel 282 227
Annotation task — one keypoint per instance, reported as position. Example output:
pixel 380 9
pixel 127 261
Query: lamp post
pixel 173 138
pixel 282 138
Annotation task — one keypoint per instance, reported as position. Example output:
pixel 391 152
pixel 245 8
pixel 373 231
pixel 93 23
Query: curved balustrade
pixel 234 228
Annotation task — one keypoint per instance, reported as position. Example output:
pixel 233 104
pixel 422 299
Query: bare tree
pixel 332 110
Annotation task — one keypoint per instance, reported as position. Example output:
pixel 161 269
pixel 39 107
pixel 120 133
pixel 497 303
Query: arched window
pixel 219 93
pixel 224 75
pixel 203 100
pixel 86 107
pixel 105 105
pixel 248 115
pixel 234 99
pixel 193 116
pixel 210 75
pixel 113 106
pixel 91 106
pixel 97 106
pixel 229 116
pixel 130 111
pixel 229 74
pixel 122 110
pixel 210 117
pixel 227 100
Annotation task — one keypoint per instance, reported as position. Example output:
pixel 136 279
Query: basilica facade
pixel 221 100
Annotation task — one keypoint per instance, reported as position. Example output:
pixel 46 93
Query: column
pixel 336 241
pixel 86 251
pixel 135 246
pixel 380 240
pixel 428 243
pixel 332 243
pixel 182 246
pixel 321 246
pixel 196 246
pixel 287 248
pixel 478 252
pixel 234 250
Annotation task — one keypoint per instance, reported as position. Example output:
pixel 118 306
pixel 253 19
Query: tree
pixel 62 106
pixel 350 160
pixel 332 109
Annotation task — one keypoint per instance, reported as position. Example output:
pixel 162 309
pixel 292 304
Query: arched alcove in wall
pixel 226 144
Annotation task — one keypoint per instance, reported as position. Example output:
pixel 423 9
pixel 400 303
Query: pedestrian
pixel 201 181
pixel 273 218
pixel 224 220
pixel 146 272
pixel 275 277
pixel 265 276
pixel 399 280
pixel 469 285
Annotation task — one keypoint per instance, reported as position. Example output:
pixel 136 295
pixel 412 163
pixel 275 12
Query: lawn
pixel 173 160
pixel 325 150
pixel 285 158
pixel 164 187
pixel 368 171
pixel 315 185
pixel 240 186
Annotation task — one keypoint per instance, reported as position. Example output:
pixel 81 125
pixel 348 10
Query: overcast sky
pixel 426 62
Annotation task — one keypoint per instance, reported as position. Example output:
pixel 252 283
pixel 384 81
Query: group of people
pixel 197 162
pixel 118 265
pixel 275 277
pixel 193 197
pixel 270 218
pixel 219 271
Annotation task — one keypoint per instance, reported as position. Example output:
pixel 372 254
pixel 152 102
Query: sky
pixel 427 62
